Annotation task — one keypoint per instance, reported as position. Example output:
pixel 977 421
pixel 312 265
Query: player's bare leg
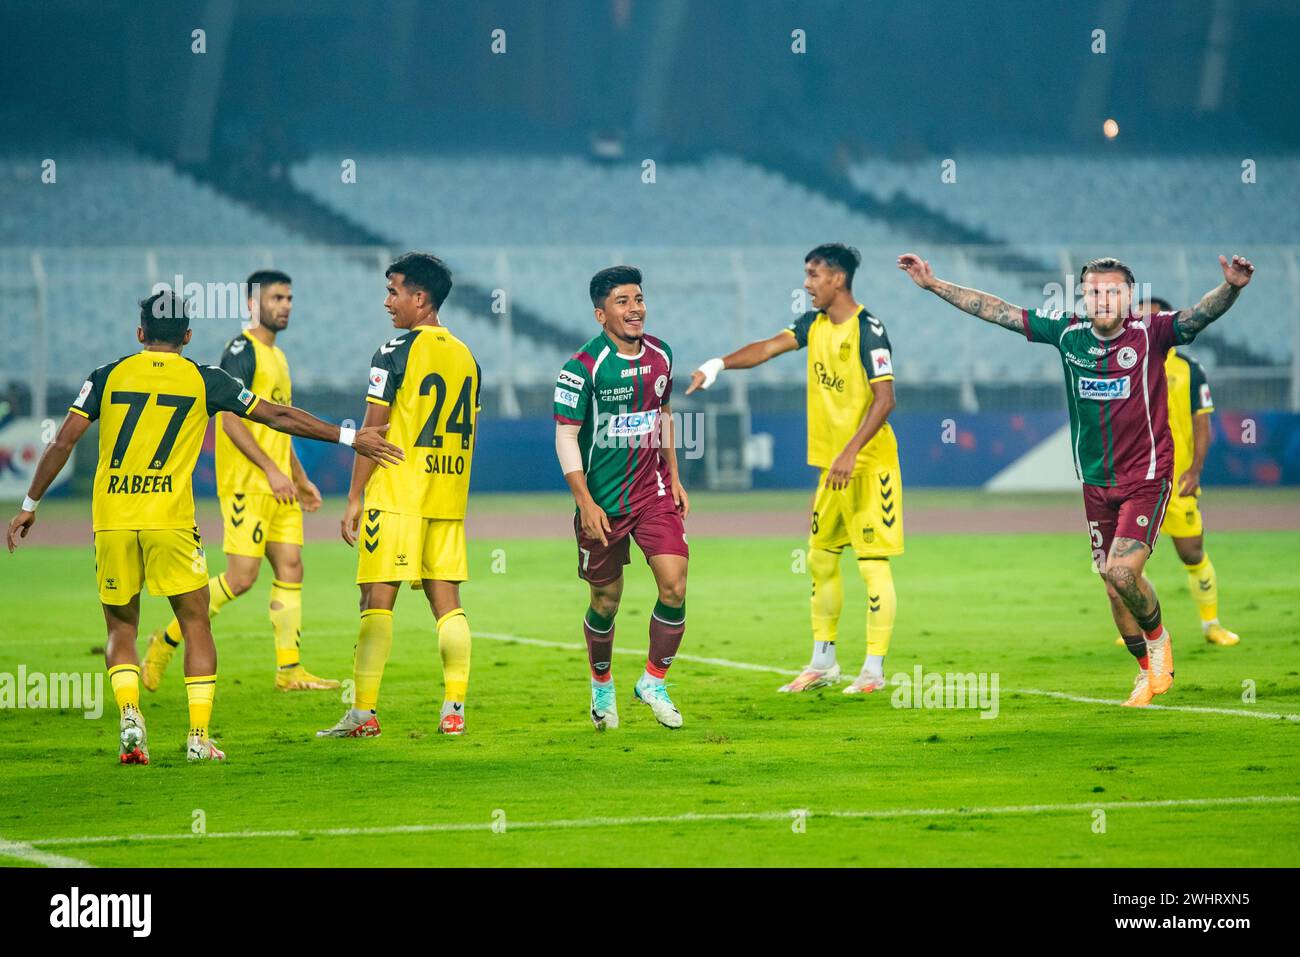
pixel 667 626
pixel 374 643
pixel 1133 639
pixel 240 575
pixel 453 648
pixel 1204 587
pixel 598 630
pixel 123 663
pixel 1124 568
pixel 286 619
pixel 191 610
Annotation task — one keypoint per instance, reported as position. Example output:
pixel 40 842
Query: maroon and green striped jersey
pixel 1116 393
pixel 617 400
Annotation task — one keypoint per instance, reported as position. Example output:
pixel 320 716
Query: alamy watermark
pixel 933 690
pixel 69 691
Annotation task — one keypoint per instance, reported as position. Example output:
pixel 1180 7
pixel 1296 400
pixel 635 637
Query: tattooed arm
pixel 987 307
pixel 1218 300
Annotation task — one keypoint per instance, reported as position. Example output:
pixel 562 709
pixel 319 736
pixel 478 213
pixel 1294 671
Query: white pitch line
pixel 687 818
pixel 25 851
pixel 748 666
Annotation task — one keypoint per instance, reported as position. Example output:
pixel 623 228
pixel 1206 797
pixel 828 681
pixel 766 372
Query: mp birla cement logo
pixel 129 911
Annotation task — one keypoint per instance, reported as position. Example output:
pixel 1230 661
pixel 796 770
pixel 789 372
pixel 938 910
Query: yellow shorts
pixel 868 515
pixel 408 548
pixel 249 521
pixel 170 560
pixel 1183 517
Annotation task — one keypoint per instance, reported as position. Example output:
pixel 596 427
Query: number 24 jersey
pixel 431 381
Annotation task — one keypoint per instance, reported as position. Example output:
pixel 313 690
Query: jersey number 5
pixel 458 421
pixel 135 403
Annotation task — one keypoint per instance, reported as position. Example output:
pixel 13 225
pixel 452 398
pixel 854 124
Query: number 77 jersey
pixel 431 381
pixel 152 408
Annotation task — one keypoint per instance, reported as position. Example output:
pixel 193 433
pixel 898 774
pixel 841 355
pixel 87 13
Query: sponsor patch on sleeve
pixel 1206 401
pixel 571 380
pixel 85 391
pixel 378 380
pixel 565 397
pixel 245 397
pixel 882 363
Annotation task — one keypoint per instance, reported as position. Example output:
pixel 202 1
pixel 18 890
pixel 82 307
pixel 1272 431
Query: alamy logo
pixel 134 911
pixel 1104 389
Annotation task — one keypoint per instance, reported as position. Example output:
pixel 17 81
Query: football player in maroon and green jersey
pixel 1114 364
pixel 614 439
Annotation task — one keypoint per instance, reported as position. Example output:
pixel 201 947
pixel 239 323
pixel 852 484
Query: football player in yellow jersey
pixel 263 490
pixel 153 408
pixel 1190 407
pixel 859 499
pixel 424 387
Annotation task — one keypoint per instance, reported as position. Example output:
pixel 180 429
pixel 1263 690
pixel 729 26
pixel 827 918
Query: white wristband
pixel 29 503
pixel 347 436
pixel 710 370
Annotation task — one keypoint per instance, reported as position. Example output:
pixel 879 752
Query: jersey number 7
pixel 135 403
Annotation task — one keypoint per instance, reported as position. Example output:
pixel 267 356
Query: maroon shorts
pixel 1134 510
pixel 657 528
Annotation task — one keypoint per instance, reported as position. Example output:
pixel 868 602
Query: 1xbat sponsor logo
pixel 1104 390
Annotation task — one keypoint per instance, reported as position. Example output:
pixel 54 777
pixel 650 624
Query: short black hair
pixel 838 256
pixel 1106 264
pixel 605 281
pixel 164 317
pixel 1162 305
pixel 423 271
pixel 268 277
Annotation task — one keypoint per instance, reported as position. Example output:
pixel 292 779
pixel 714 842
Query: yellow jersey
pixel 843 361
pixel 432 382
pixel 1189 396
pixel 264 370
pixel 152 409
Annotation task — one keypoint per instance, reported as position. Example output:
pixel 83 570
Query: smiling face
pixel 822 282
pixel 273 306
pixel 404 303
pixel 623 314
pixel 1107 299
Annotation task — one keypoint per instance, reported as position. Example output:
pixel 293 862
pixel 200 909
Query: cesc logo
pixel 74 909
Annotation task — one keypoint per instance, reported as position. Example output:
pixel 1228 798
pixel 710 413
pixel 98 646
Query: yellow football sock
pixel 125 680
pixel 827 593
pixel 453 645
pixel 373 646
pixel 1204 586
pixel 200 690
pixel 219 595
pixel 882 604
pixel 286 619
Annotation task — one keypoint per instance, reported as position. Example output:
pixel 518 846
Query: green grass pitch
pixel 1020 789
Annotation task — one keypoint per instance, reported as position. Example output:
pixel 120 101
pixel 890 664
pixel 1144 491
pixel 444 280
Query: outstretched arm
pixel 746 357
pixel 367 441
pixel 52 461
pixel 987 307
pixel 1236 274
